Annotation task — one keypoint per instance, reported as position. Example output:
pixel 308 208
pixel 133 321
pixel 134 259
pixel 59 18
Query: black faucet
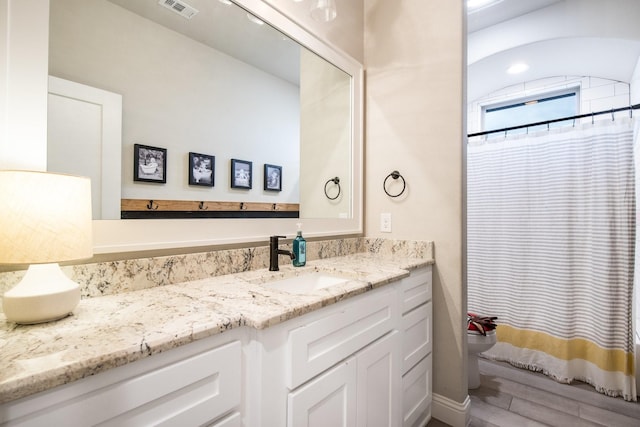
pixel 274 252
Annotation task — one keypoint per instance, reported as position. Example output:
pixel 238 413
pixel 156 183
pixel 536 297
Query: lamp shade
pixel 44 217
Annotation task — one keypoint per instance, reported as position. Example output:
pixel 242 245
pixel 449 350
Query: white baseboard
pixel 449 411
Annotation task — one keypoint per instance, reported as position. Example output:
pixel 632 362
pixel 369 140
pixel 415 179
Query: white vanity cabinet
pixel 362 391
pixel 196 384
pixel 417 315
pixel 362 362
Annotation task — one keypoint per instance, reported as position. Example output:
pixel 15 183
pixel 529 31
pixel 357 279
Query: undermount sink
pixel 306 283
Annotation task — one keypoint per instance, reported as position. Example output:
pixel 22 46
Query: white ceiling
pixel 526 31
pixel 503 11
pixel 227 29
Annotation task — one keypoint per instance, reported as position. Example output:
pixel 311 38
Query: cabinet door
pixel 318 345
pixel 233 420
pixel 329 400
pixel 379 383
pixel 416 385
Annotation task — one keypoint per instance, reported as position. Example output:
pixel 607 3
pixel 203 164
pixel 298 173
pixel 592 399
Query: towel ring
pixel 336 181
pixel 394 175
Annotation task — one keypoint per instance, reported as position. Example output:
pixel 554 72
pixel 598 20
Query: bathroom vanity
pixel 234 350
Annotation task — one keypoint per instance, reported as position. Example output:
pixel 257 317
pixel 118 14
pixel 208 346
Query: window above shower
pixel 506 107
pixel 533 109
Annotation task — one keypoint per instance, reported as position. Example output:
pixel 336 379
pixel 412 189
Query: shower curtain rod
pixel 630 108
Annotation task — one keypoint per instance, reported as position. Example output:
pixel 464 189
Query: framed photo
pixel 241 173
pixel 272 178
pixel 149 164
pixel 201 169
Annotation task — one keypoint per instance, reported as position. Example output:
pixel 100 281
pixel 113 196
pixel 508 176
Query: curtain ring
pixel 613 117
pixel 394 175
pixel 336 181
pixel 592 117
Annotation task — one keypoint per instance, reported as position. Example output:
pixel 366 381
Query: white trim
pixel 449 411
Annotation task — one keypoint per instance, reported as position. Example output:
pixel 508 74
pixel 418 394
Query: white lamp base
pixel 44 294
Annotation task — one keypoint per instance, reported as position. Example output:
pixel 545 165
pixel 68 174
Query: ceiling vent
pixel 179 7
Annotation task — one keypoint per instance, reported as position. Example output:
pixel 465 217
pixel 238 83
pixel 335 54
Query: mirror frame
pixel 115 236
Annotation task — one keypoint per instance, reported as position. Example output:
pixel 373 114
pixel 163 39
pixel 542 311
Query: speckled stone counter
pixel 113 330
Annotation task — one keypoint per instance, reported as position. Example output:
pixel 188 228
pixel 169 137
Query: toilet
pixel 476 344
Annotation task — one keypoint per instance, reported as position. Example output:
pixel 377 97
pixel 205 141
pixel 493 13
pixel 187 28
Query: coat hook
pixel 202 207
pixel 275 207
pixel 242 206
pixel 151 207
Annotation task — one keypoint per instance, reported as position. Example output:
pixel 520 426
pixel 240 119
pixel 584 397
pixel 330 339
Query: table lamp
pixel 45 218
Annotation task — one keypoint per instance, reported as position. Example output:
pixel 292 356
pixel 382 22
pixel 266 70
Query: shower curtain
pixel 550 244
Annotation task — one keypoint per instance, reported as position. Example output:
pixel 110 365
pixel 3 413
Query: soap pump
pixel 299 249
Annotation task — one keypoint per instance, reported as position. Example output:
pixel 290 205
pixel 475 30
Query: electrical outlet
pixel 385 222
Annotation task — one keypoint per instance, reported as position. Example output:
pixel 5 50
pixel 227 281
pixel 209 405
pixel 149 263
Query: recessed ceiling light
pixel 520 67
pixel 476 5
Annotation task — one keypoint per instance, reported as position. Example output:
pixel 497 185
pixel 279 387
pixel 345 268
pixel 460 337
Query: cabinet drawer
pixel 416 386
pixel 193 391
pixel 416 289
pixel 416 338
pixel 317 346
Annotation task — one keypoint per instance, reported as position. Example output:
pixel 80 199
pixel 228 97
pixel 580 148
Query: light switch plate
pixel 385 222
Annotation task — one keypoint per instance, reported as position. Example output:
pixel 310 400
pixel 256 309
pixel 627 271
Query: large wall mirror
pixel 216 82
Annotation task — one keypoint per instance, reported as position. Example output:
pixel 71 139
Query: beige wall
pixel 23 84
pixel 414 59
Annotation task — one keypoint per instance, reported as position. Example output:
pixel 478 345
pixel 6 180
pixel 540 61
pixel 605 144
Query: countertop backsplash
pixel 112 277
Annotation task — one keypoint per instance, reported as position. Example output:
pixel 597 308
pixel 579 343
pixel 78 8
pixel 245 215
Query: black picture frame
pixel 272 177
pixel 149 164
pixel 241 174
pixel 202 169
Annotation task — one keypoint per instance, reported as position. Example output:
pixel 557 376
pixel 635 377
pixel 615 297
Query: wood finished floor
pixel 511 397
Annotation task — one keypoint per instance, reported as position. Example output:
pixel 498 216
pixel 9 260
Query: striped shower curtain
pixel 551 232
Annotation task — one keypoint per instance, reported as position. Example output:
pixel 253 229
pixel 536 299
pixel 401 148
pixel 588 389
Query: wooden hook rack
pixel 152 208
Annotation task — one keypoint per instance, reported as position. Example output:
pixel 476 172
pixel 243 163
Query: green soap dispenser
pixel 299 249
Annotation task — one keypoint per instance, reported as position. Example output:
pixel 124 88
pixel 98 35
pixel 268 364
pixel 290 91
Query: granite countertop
pixel 114 330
